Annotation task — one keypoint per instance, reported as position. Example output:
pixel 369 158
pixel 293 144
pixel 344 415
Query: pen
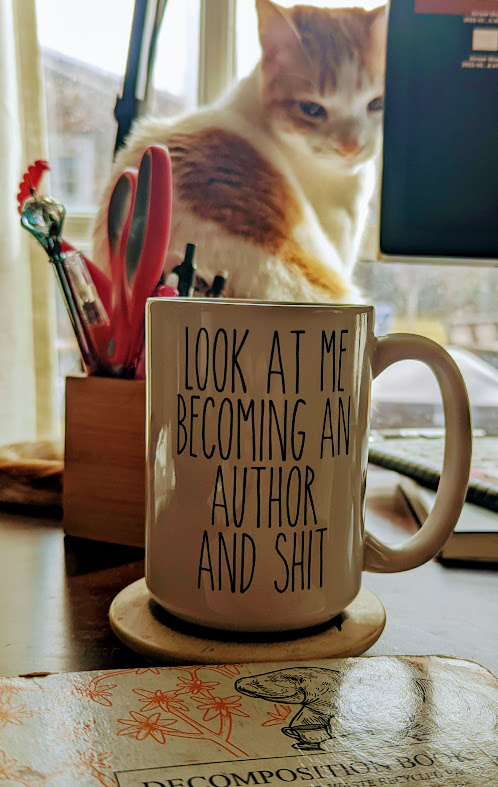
pixel 91 311
pixel 218 285
pixel 186 272
pixel 43 218
pixel 87 351
pixel 88 356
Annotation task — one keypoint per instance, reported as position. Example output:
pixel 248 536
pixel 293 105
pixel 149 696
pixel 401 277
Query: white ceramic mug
pixel 257 448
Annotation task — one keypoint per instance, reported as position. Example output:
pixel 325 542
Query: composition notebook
pixel 360 722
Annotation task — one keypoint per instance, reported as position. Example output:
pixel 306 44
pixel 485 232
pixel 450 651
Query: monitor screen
pixel 440 159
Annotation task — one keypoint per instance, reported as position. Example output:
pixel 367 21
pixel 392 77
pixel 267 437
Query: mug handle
pixel 450 497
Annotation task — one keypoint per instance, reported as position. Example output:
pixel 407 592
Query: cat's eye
pixel 376 104
pixel 312 109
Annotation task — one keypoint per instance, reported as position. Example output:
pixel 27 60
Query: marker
pixel 218 285
pixel 186 272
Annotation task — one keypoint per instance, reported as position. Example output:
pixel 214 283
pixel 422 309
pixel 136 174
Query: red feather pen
pixel 29 184
pixel 43 217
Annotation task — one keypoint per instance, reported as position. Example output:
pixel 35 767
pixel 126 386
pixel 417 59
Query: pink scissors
pixel 138 228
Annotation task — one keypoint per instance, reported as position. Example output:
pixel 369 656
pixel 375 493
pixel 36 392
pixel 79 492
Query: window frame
pixel 216 70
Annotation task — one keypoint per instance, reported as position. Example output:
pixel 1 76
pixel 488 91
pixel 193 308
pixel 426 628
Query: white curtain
pixel 28 361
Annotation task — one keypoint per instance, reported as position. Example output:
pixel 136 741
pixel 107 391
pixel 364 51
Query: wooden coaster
pixel 147 628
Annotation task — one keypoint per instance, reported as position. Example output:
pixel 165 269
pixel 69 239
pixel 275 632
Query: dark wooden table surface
pixel 55 593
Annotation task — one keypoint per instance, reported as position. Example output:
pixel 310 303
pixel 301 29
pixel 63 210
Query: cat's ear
pixel 378 33
pixel 378 24
pixel 379 12
pixel 283 53
pixel 275 26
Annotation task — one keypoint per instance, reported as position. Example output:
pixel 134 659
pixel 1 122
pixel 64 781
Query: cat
pixel 272 183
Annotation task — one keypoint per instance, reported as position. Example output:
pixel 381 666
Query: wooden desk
pixel 55 593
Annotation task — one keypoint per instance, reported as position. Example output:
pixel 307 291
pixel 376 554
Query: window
pixel 84 66
pixel 455 306
pixel 66 168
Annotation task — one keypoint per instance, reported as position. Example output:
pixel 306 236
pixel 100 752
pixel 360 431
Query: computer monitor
pixel 440 159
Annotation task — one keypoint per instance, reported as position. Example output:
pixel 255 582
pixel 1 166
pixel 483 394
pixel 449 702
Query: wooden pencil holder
pixel 104 472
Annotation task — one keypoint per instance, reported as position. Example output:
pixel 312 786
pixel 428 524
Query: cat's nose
pixel 348 148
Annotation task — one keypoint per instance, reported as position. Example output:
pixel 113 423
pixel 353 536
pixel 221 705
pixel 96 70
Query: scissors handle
pixel 146 271
pixel 138 228
pixel 119 218
pixel 153 205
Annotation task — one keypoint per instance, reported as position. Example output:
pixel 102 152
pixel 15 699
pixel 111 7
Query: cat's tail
pixel 321 281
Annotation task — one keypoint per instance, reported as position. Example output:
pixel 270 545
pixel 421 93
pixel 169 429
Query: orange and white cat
pixel 272 183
